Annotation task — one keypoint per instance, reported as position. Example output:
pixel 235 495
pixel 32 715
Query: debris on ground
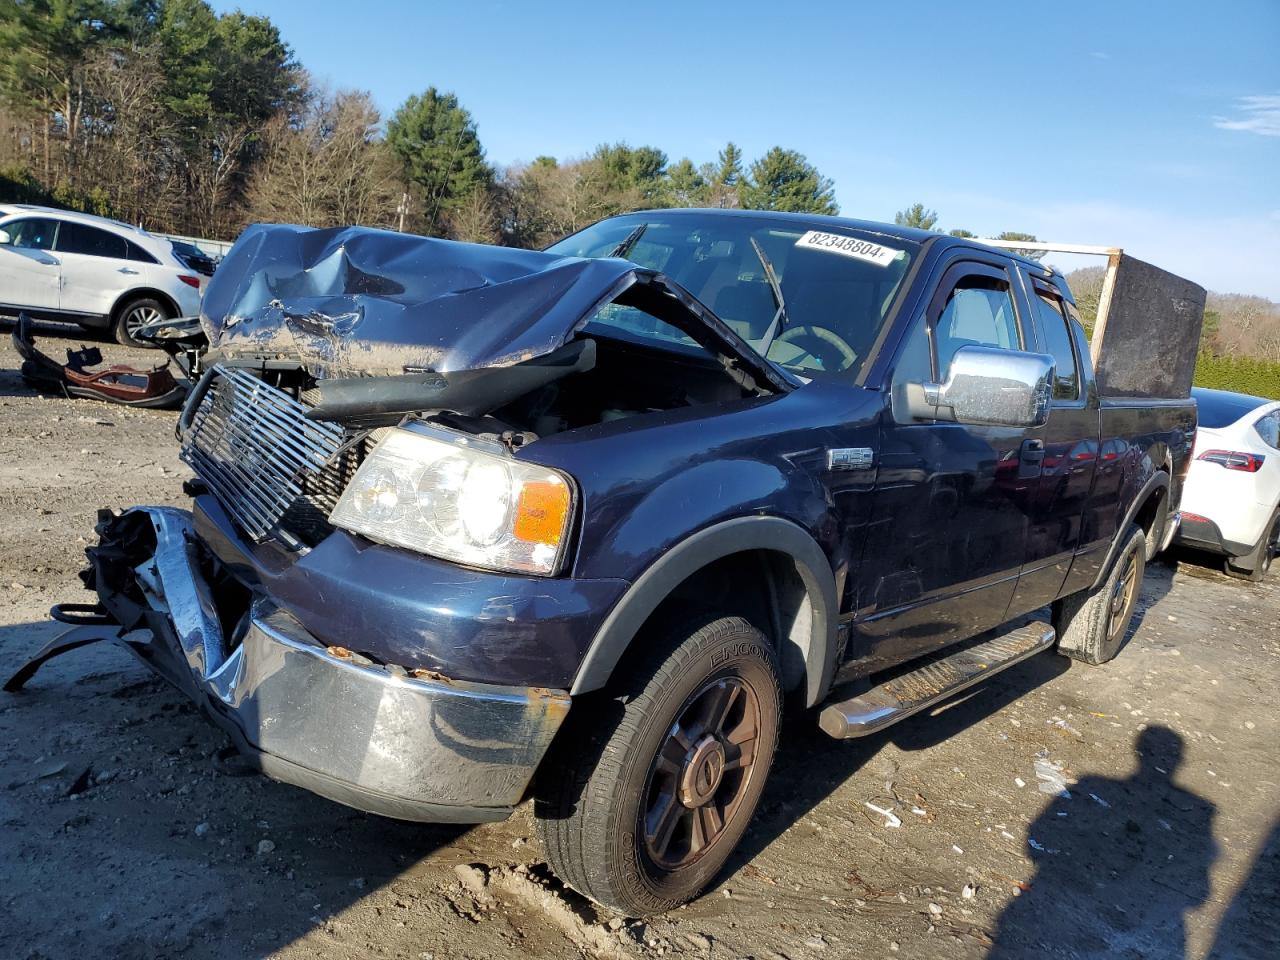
pixel 84 376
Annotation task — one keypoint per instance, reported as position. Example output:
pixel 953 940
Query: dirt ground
pixel 1058 811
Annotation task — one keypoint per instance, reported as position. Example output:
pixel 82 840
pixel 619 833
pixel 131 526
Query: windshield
pixel 834 287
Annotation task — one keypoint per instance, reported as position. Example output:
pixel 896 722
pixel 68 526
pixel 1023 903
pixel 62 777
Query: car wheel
pixel 652 783
pixel 1092 625
pixel 135 314
pixel 1256 564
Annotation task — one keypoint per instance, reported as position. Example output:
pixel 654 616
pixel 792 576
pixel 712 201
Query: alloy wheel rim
pixel 139 317
pixel 1122 597
pixel 701 774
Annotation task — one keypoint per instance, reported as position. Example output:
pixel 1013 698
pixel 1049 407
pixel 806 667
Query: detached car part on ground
pixel 471 523
pixel 84 376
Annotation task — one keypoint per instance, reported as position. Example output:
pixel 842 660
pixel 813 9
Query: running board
pixel 933 682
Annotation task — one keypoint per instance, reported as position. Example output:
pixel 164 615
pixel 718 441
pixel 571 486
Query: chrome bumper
pixel 367 735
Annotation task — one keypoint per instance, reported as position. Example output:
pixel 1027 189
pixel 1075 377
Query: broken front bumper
pixel 374 737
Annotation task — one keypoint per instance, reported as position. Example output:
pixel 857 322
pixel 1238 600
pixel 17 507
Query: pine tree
pixel 729 168
pixel 785 180
pixel 916 216
pixel 436 141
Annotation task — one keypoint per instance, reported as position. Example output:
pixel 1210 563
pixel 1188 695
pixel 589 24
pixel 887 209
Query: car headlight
pixel 448 496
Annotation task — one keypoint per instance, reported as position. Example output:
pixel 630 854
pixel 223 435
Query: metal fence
pixel 214 248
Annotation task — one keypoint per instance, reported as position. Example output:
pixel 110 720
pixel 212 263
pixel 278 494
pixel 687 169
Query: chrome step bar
pixel 933 682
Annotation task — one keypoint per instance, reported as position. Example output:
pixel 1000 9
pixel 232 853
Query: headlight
pixel 452 499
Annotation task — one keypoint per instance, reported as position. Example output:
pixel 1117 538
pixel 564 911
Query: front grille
pixel 258 453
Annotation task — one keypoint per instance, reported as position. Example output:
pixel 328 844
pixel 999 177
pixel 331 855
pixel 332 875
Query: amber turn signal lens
pixel 541 511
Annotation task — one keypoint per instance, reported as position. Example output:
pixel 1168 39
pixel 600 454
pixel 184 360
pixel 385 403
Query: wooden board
pixel 1148 331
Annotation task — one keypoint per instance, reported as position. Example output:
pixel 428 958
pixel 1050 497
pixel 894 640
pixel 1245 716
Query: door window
pixel 1057 336
pixel 33 234
pixel 978 312
pixel 90 241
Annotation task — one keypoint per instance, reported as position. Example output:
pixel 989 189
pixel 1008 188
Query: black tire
pixel 1093 625
pixel 617 771
pixel 1256 564
pixel 133 314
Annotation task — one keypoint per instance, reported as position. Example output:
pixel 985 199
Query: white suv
pixel 59 265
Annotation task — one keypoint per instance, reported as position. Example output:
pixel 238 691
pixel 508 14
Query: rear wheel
pixel 1092 624
pixel 135 314
pixel 649 791
pixel 1256 564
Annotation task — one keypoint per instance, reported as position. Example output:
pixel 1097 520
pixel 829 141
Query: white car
pixel 1231 499
pixel 59 265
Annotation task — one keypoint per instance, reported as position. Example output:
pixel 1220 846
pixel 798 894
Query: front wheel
pixel 1092 625
pixel 650 789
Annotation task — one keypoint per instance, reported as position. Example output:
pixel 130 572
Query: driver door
pixel 30 273
pixel 950 513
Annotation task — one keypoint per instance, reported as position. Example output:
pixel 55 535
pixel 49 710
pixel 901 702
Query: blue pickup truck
pixel 472 524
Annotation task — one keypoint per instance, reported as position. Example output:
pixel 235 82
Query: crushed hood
pixel 353 302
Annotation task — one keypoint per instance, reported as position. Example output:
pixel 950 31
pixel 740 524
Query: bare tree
pixel 546 200
pixel 213 171
pixel 330 170
pixel 129 135
pixel 475 218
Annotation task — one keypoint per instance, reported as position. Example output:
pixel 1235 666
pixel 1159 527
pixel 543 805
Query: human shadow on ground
pixel 810 766
pixel 1118 863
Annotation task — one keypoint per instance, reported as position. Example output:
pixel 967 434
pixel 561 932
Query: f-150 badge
pixel 850 458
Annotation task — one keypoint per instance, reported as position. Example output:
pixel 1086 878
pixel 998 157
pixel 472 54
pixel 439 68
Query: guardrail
pixel 215 248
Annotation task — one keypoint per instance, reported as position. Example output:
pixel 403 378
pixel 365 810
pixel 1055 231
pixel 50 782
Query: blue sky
pixel 1087 122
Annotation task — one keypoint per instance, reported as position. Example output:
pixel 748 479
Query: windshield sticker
pixel 849 247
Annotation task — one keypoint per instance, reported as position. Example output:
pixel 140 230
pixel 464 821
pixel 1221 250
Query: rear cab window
pixel 1058 342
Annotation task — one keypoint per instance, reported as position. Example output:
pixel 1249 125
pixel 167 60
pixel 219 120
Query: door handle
pixel 127 270
pixel 1030 459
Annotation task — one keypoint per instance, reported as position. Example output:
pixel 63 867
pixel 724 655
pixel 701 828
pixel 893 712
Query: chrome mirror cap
pixel 995 386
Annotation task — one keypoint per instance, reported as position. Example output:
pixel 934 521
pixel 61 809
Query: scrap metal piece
pixel 130 386
pixel 182 338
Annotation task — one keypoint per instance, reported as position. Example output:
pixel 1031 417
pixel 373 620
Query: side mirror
pixel 5 239
pixel 992 386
